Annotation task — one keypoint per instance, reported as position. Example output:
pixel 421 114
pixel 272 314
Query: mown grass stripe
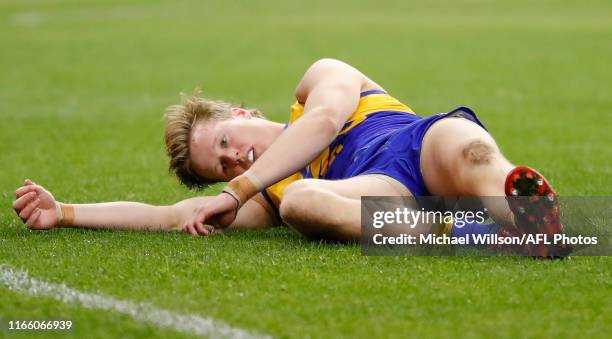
pixel 20 281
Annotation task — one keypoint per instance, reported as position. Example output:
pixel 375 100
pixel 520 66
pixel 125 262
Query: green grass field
pixel 83 85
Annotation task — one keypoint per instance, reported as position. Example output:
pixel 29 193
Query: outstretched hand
pixel 220 212
pixel 35 206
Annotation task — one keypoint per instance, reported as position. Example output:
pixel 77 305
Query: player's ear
pixel 240 112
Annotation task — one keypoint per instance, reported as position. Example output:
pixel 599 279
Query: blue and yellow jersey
pixel 354 151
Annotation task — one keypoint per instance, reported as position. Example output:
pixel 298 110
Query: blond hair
pixel 180 120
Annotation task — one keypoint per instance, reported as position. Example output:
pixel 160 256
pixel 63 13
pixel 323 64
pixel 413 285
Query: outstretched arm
pixel 39 210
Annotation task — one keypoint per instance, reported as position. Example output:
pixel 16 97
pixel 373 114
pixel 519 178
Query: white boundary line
pixel 20 281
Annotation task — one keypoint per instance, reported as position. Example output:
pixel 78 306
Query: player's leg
pixel 331 210
pixel 460 158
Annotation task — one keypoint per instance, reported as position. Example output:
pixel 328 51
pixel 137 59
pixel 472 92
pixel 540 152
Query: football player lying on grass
pixel 346 138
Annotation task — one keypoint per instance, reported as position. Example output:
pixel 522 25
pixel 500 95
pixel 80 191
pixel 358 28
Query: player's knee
pixel 478 151
pixel 294 205
pixel 480 169
pixel 295 210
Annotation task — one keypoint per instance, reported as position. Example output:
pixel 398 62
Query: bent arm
pixel 255 214
pixel 330 90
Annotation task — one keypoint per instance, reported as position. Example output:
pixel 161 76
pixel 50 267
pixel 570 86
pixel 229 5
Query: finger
pixel 33 218
pixel 27 211
pixel 201 215
pixel 185 227
pixel 190 229
pixel 23 190
pixel 23 201
pixel 201 229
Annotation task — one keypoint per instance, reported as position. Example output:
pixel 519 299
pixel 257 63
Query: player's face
pixel 222 150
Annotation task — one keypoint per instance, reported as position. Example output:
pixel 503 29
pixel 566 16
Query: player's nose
pixel 232 156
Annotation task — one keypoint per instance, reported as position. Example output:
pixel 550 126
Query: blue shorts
pixel 400 158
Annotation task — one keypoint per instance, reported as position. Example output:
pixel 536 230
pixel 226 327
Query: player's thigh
pixel 351 188
pixel 450 145
pixel 331 209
